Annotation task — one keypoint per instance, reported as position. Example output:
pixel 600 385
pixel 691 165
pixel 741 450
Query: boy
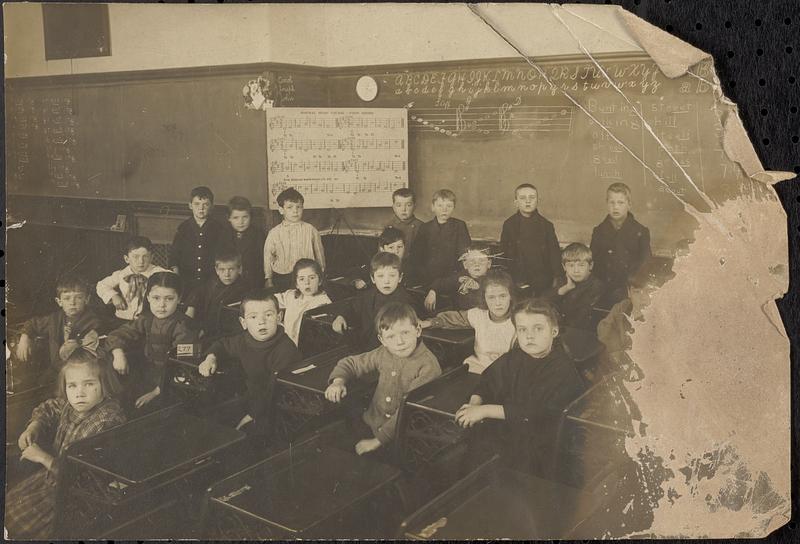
pixel 391 240
pixel 528 387
pixel 441 241
pixel 463 289
pixel 581 292
pixel 207 303
pixel 403 363
pixel 620 244
pixel 360 316
pixel 404 220
pixel 196 240
pixel 72 321
pixel 289 241
pixel 125 288
pixel 263 350
pixel 529 242
pixel 247 239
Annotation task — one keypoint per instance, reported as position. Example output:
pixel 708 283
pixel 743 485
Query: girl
pixel 85 406
pixel 307 294
pixel 160 330
pixel 494 331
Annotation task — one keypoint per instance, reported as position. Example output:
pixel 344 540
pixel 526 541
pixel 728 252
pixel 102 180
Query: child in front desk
pixel 159 330
pixel 464 287
pixel 403 363
pixel 308 294
pixel 494 331
pixel 262 350
pixel 85 406
pixel 207 302
pixel 527 388
pixel 391 240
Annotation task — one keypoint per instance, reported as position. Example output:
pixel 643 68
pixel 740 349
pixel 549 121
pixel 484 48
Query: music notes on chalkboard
pixel 507 118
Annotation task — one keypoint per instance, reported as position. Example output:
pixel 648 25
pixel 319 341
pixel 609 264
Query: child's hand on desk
pixel 147 397
pixel 24 348
pixel 35 454
pixel 430 301
pixel 120 362
pixel 359 284
pixel 367 445
pixel 208 366
pixel 29 435
pixel 336 391
pixel 244 421
pixel 339 324
pixel 425 323
pixel 470 414
pixel 119 302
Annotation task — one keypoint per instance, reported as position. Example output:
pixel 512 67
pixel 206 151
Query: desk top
pixel 503 504
pixel 315 378
pixel 456 337
pixel 605 405
pixel 302 487
pixel 446 394
pixel 152 446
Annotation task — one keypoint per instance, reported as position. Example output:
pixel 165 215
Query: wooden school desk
pixel 312 490
pixel 136 468
pixel 493 503
pixel 316 334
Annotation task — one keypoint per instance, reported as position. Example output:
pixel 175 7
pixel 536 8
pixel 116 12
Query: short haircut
pixel 239 203
pixel 258 295
pixel 106 374
pixel 393 312
pixel 404 192
pixel 619 188
pixel 383 259
pixel 136 242
pixel 168 280
pixel 536 306
pixel 70 283
pixel 576 252
pixel 501 278
pixel 203 193
pixel 227 255
pixel 476 247
pixel 444 194
pixel 390 235
pixel 525 186
pixel 289 195
pixel 302 264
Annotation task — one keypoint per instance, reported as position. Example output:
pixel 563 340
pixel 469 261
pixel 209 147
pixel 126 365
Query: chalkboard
pixel 145 136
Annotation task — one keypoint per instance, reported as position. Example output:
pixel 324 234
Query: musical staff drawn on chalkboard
pixel 324 144
pixel 503 119
pixel 351 165
pixel 341 122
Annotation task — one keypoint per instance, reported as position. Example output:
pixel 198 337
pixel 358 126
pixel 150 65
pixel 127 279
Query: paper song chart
pixel 337 157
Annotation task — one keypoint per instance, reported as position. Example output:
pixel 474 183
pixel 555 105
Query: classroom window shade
pixel 75 31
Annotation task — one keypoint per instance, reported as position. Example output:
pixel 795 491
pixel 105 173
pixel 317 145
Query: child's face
pixel 578 270
pixel 200 208
pixel 618 206
pixel 163 301
pixel 477 264
pixel 398 248
pixel 535 334
pixel 498 300
pixel 386 279
pixel 401 338
pixel 292 211
pixel 526 200
pixel 228 271
pixel 307 281
pixel 84 390
pixel 72 302
pixel 260 319
pixel 403 207
pixel 442 209
pixel 239 220
pixel 139 259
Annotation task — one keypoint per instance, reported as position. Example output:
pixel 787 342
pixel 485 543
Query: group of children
pixel 516 309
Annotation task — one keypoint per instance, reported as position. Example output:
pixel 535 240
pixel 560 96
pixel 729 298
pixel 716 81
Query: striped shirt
pixel 289 242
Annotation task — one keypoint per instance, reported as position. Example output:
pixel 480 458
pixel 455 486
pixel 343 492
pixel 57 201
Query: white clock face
pixel 367 88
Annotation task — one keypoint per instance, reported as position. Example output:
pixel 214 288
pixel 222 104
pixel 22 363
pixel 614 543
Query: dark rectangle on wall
pixel 74 31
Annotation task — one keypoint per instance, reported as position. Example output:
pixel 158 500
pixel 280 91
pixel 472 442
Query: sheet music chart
pixel 337 157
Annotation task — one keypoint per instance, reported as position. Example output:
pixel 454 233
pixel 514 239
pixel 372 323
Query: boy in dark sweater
pixel 391 240
pixel 620 244
pixel 441 241
pixel 404 220
pixel 463 287
pixel 262 350
pixel 528 388
pixel 529 243
pixel 207 302
pixel 360 316
pixel 248 241
pixel 578 295
pixel 196 241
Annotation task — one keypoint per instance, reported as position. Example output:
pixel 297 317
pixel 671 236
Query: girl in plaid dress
pixel 84 407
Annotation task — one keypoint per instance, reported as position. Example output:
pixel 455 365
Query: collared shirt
pixel 289 242
pixel 194 247
pixel 117 284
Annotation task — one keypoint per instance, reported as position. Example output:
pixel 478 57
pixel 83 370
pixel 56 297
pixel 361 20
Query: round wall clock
pixel 367 88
